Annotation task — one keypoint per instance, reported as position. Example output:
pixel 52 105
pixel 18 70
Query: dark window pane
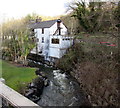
pixel 42 30
pixel 42 39
pixel 55 41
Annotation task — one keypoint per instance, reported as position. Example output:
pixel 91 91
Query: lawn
pixel 17 77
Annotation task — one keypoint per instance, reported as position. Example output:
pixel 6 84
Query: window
pixel 55 41
pixel 42 30
pixel 42 39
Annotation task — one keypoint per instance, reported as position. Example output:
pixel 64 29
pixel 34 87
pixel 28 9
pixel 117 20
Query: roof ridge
pixel 49 20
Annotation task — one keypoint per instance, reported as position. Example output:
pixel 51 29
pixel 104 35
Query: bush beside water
pixel 95 66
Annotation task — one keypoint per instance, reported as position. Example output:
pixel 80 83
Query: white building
pixel 52 39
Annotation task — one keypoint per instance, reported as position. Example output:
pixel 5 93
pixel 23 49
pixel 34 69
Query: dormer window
pixel 42 30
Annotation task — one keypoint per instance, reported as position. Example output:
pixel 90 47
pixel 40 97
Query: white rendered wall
pixel 58 50
pixel 54 28
pixel 54 48
pixel 39 35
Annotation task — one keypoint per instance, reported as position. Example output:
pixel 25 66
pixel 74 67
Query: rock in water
pixel 35 89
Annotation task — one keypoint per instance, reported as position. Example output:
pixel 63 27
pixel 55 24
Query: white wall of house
pixel 58 50
pixel 54 28
pixel 43 40
pixel 54 48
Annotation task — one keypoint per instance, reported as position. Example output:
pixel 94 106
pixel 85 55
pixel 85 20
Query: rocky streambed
pixel 53 87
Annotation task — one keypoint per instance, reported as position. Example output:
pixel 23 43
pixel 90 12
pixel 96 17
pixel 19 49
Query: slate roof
pixel 43 24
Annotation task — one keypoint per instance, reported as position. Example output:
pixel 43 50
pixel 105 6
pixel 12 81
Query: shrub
pixel 73 55
pixel 96 67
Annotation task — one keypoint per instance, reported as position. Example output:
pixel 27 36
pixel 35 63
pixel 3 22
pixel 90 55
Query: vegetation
pixel 17 77
pixel 74 55
pixel 16 42
pixel 88 49
pixel 94 17
pixel 95 66
pixel 18 39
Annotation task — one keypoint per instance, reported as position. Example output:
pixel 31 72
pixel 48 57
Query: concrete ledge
pixel 14 98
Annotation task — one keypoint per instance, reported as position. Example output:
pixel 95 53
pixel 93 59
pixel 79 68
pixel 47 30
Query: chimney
pixel 38 20
pixel 58 26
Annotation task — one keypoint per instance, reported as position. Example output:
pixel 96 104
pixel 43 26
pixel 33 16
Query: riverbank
pixel 55 88
pixel 96 68
pixel 17 76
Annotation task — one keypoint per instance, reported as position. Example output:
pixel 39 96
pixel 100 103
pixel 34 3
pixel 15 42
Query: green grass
pixel 17 77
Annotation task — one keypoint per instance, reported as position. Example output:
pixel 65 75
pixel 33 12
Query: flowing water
pixel 62 89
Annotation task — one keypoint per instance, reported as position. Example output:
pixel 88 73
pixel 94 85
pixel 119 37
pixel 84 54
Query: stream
pixel 55 88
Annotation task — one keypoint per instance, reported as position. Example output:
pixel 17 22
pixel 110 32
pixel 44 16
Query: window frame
pixel 55 41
